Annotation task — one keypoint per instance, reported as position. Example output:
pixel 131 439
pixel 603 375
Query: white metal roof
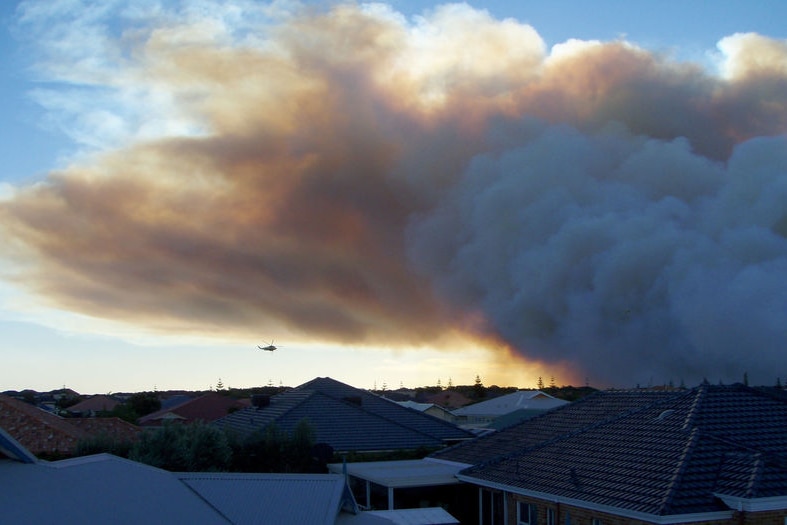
pixel 522 399
pixel 421 516
pixel 425 516
pixel 421 407
pixel 406 473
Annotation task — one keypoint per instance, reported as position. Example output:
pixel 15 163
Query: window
pixel 526 513
pixel 551 517
pixel 596 521
pixel 492 510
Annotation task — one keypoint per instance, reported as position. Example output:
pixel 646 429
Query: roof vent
pixel 260 401
pixel 665 414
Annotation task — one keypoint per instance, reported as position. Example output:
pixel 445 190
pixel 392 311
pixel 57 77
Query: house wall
pixel 581 516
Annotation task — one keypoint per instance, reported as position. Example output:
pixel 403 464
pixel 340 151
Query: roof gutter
pixel 753 504
pixel 607 509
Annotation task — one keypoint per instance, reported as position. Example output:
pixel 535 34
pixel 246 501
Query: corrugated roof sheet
pixel 98 489
pixel 522 399
pixel 405 473
pixel 425 516
pixel 305 499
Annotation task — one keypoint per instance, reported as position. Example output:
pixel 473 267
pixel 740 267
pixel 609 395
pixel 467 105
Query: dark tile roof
pixel 346 418
pixel 595 407
pixel 667 456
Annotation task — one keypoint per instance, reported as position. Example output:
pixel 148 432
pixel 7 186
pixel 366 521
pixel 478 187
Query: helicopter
pixel 270 348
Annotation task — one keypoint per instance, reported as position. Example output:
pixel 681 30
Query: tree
pixel 206 448
pixel 195 447
pixel 298 449
pixel 273 450
pixel 103 443
pixel 540 384
pixel 746 378
pixel 144 403
pixel 479 391
pixel 161 447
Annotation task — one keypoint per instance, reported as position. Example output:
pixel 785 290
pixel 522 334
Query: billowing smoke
pixel 359 177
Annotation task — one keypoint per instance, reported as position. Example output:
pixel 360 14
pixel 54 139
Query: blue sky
pixel 162 295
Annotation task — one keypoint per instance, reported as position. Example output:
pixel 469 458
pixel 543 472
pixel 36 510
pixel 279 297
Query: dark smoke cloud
pixel 361 179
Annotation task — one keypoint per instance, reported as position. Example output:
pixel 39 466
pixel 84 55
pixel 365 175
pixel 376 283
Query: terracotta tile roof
pixel 112 427
pixel 449 399
pixel 37 430
pixel 43 433
pixel 207 408
pixel 96 403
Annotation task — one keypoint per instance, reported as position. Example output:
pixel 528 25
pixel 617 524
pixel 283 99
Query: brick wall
pixel 580 516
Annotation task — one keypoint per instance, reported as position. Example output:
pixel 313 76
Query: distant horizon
pixel 226 389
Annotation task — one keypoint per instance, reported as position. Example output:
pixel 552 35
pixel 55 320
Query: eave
pixel 606 509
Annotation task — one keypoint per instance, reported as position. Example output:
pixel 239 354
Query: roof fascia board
pixel 607 509
pixel 754 504
pixel 446 462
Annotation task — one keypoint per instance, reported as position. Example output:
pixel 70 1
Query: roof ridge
pixel 397 423
pixel 370 395
pixel 267 411
pixel 549 413
pixel 299 400
pixel 699 393
pixel 568 435
pixel 682 464
pixel 779 459
pixel 756 474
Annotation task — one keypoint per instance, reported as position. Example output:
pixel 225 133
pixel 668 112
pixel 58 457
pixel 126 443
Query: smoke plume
pixel 359 177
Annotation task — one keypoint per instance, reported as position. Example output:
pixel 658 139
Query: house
pixel 206 408
pixel 46 434
pixel 712 454
pixel 345 418
pixel 523 404
pixel 447 398
pixel 410 484
pixel 126 492
pixel 462 498
pixel 429 408
pixel 93 405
